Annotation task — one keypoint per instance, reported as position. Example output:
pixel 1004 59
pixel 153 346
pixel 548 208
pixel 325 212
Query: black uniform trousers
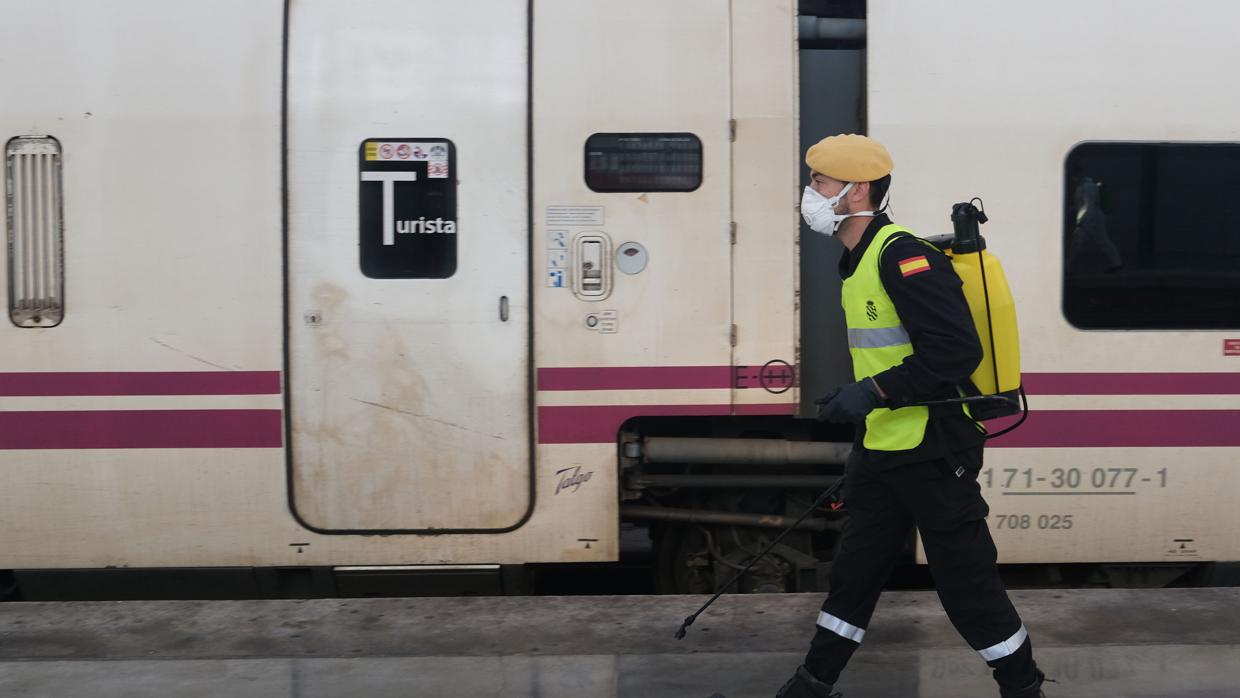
pixel 950 513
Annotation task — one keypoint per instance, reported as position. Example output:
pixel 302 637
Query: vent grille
pixel 35 232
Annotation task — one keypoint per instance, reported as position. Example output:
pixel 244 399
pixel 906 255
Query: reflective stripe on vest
pixel 876 337
pixel 877 341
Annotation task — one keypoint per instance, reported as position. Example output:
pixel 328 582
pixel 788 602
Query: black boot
pixel 804 685
pixel 1033 690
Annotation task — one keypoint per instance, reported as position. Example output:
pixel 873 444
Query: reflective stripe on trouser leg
pixel 1005 648
pixel 846 630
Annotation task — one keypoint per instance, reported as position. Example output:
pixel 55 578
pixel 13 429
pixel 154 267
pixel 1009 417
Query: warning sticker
pixel 1231 347
pixel 434 154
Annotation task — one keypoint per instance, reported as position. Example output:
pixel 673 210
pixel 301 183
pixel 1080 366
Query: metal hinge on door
pixel 732 232
pixel 732 130
pixel 732 335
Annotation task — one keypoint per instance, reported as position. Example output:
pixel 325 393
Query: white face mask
pixel 819 211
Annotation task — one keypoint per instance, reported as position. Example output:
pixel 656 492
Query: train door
pixel 831 101
pixel 407 262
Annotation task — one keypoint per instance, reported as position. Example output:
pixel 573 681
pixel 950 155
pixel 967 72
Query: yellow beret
pixel 849 158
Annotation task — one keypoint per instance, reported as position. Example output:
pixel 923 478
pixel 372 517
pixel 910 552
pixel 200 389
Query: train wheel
pixel 695 559
pixel 683 562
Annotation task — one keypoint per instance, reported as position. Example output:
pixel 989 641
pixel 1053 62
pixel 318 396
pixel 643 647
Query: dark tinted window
pixel 1151 237
pixel 407 216
pixel 643 162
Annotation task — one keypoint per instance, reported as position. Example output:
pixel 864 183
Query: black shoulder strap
pixel 899 236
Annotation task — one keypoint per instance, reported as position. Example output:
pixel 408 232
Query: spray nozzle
pixel 965 221
pixel 981 209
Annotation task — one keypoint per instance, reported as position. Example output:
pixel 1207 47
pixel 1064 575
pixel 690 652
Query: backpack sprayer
pixel 996 380
pixel 996 385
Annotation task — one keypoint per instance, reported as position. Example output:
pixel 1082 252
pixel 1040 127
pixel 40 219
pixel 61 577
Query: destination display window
pixel 407 208
pixel 1150 236
pixel 643 162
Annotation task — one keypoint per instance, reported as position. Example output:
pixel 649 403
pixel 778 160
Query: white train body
pixel 229 386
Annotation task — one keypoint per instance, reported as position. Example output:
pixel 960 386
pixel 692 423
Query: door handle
pixel 503 308
pixel 592 266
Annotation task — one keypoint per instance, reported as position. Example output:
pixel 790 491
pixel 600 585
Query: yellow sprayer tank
pixel 1001 321
pixel 994 312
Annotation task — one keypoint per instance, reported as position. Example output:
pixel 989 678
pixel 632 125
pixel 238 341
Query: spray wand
pixel 830 495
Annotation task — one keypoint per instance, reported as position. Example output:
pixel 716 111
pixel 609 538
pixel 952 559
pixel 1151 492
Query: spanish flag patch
pixel 914 265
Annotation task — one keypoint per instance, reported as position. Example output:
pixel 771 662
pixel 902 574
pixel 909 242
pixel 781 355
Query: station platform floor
pixel 1166 643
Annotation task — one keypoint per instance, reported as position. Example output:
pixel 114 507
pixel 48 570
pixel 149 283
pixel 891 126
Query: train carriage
pixel 326 285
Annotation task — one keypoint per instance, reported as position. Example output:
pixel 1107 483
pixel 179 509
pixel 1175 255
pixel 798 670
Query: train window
pixel 407 208
pixel 36 234
pixel 618 162
pixel 1150 236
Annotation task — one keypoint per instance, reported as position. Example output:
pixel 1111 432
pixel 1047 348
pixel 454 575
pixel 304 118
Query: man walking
pixel 912 340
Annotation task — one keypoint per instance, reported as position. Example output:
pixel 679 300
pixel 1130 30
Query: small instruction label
pixel 1183 547
pixel 1231 347
pixel 555 278
pixel 575 215
pixel 557 259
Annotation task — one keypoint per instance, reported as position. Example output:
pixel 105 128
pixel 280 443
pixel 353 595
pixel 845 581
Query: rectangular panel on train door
pixel 408 265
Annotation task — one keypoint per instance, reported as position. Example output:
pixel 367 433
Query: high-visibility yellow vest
pixel 877 341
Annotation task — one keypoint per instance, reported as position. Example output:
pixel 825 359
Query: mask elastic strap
pixel 868 214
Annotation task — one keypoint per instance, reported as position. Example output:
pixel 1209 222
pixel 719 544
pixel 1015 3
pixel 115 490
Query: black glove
pixel 849 403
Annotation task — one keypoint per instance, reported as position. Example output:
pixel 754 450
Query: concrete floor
pixel 1160 643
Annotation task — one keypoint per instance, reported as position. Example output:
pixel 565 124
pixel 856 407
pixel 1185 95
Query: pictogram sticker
pixel 386 150
pixel 1231 347
pixel 402 151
